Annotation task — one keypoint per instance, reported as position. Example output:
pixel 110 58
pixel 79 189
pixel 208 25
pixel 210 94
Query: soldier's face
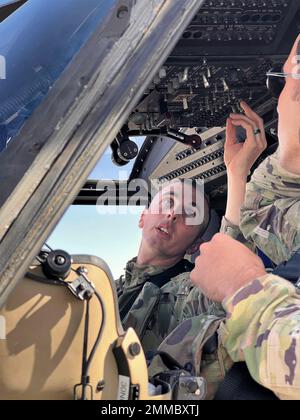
pixel 167 224
pixel 289 101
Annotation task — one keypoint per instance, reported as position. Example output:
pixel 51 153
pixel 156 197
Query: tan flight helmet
pixel 64 339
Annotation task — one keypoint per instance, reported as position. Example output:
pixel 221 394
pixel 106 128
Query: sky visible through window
pixel 113 237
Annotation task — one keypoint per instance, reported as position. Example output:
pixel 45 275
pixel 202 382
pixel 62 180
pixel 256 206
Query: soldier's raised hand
pixel 240 157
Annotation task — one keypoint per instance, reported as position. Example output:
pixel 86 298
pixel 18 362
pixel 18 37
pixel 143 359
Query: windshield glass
pixel 109 232
pixel 107 170
pixel 37 42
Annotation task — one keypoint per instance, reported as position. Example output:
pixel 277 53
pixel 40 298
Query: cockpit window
pixel 107 169
pixel 31 61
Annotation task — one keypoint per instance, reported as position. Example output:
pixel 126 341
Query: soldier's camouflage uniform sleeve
pixel 263 329
pixel 270 215
pixel 235 232
pixel 196 303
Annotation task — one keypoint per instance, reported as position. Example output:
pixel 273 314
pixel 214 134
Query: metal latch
pixel 82 287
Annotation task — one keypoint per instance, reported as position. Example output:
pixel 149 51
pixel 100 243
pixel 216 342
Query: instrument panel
pixel 222 58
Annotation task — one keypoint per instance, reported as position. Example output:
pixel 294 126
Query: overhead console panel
pixel 206 164
pixel 221 59
pixel 166 160
pixel 236 27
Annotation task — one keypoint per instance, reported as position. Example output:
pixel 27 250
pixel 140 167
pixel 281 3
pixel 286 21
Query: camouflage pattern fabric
pixel 186 345
pixel 158 311
pixel 197 304
pixel 270 215
pixel 136 274
pixel 263 329
pixel 234 231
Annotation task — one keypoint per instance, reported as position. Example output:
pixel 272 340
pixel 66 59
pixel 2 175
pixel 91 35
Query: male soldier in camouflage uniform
pixel 269 217
pixel 157 283
pixel 268 220
pixel 263 324
pixel 263 313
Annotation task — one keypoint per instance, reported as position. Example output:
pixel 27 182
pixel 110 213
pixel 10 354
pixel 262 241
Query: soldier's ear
pixel 142 218
pixel 195 247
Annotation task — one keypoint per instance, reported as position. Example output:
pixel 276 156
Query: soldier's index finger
pixel 249 111
pixel 230 133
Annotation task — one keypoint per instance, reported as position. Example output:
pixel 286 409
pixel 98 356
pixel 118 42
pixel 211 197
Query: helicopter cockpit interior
pixel 223 57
